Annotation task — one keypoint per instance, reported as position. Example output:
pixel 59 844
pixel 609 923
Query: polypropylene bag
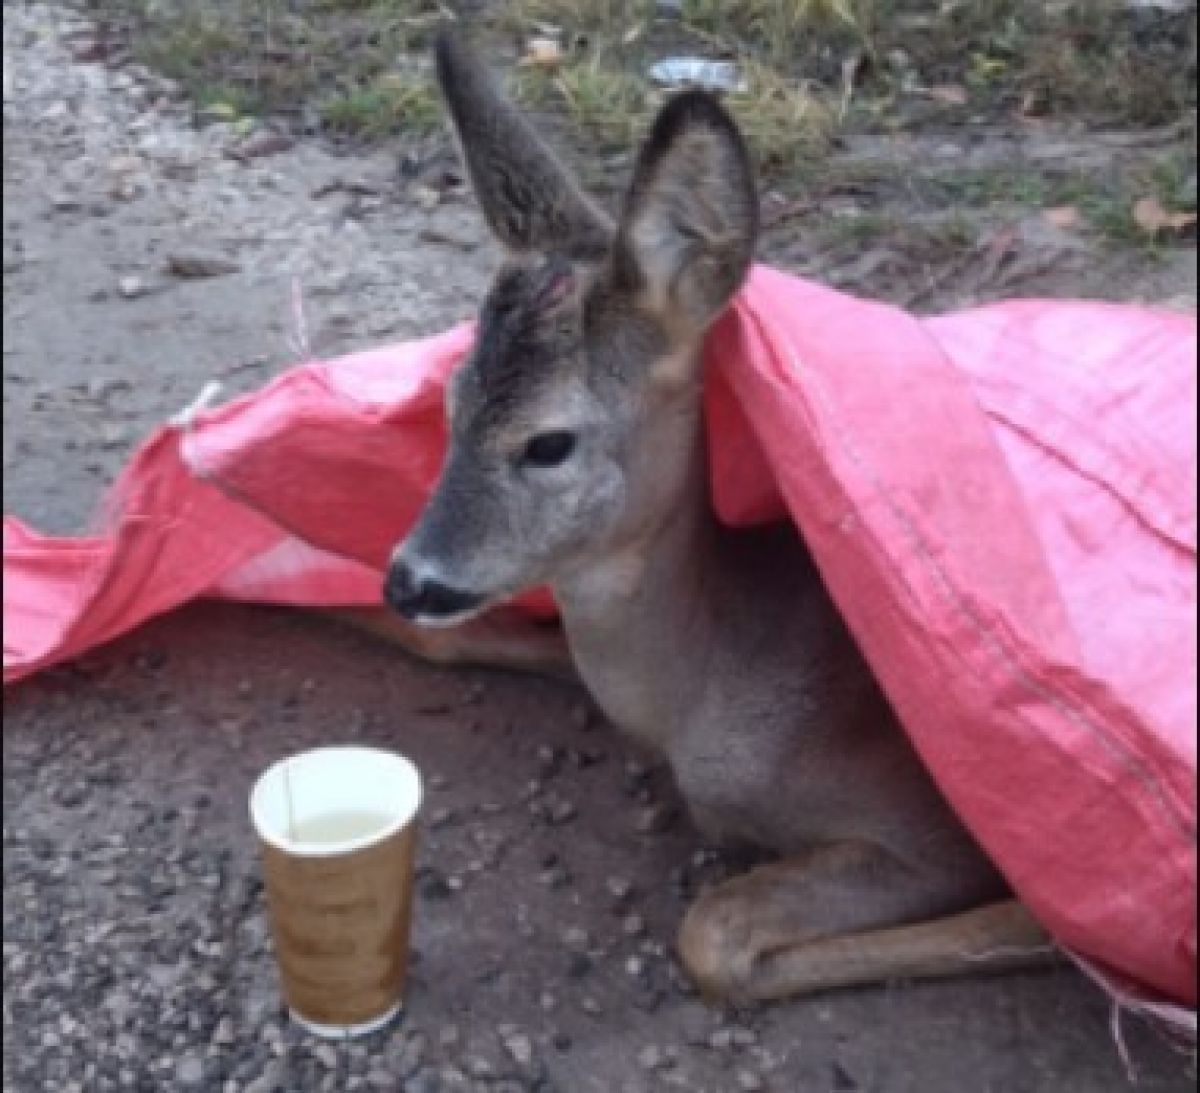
pixel 1001 501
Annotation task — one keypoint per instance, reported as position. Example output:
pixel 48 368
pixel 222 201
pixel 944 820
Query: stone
pixel 189 1071
pixel 519 1047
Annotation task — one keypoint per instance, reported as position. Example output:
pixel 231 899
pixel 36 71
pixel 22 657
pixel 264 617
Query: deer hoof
pixel 715 946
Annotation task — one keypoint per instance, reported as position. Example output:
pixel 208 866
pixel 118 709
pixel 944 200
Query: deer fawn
pixel 577 460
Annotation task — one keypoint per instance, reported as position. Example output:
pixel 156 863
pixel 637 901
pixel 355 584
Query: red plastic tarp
pixel 1002 502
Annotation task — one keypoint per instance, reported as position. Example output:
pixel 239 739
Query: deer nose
pixel 416 597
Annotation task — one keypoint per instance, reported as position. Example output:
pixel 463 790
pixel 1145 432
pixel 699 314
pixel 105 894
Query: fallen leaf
pixel 220 111
pixel 195 267
pixel 435 235
pixel 426 196
pixel 1032 106
pixel 542 53
pixel 267 143
pixel 1150 215
pixel 92 52
pixel 950 94
pixel 1066 217
pixel 776 208
pixel 986 67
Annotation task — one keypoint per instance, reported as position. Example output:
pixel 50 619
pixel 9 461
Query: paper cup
pixel 337 831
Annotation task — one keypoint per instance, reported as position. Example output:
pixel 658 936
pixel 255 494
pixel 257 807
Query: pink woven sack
pixel 1002 502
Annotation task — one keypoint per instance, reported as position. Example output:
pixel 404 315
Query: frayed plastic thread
pixel 1114 1026
pixel 1176 1024
pixel 298 341
pixel 1008 952
pixel 186 417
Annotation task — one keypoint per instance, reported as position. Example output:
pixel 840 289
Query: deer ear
pixel 686 236
pixel 529 200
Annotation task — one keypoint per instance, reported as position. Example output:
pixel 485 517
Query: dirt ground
pixel 554 865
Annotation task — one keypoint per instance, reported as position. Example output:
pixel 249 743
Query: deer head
pixel 573 421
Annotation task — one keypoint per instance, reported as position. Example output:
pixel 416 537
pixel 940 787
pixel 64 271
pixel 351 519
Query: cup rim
pixel 346 846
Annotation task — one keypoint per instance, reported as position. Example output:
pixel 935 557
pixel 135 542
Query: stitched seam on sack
pixel 999 650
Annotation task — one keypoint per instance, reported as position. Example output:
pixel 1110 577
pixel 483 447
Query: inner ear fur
pixel 686 235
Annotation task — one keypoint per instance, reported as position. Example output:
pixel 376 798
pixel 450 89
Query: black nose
pixel 418 598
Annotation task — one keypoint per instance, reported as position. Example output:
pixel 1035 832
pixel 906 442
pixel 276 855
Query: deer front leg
pixel 843 916
pixel 502 638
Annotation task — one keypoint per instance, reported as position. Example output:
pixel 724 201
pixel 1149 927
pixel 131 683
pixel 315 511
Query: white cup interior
pixel 327 781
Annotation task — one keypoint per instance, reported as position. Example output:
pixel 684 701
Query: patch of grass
pixel 785 122
pixel 1172 179
pixel 613 16
pixel 603 101
pixel 335 59
pixel 1104 202
pixel 345 68
pixel 774 30
pixel 183 49
pixel 387 104
pixel 861 228
pixel 988 186
pixel 1104 60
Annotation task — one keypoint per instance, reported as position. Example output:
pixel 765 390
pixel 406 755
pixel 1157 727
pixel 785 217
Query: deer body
pixel 577 460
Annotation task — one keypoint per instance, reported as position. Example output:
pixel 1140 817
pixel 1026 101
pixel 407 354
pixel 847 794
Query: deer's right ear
pixel 528 198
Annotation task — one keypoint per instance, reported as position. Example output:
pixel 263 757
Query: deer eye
pixel 549 449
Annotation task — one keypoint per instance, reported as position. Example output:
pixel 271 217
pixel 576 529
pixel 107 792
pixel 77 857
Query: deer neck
pixel 637 617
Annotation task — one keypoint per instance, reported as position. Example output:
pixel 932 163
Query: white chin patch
pixel 444 622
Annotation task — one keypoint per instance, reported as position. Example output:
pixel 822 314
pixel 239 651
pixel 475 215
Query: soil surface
pixel 142 260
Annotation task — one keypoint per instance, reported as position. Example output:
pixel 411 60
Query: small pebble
pixel 721 1039
pixel 441 817
pixel 656 1058
pixel 561 812
pixel 575 937
pixel 520 1047
pixel 621 891
pixel 655 818
pixel 190 1070
pixel 633 925
pixel 326 1056
pixel 481 1068
pixel 223 1034
pixel 744 1037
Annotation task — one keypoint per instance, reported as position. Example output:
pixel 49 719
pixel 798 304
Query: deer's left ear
pixel 686 237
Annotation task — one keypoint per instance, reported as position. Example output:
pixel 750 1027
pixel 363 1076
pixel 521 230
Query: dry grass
pixel 774 29
pixel 344 66
pixel 603 102
pixel 392 102
pixel 577 15
pixel 786 122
